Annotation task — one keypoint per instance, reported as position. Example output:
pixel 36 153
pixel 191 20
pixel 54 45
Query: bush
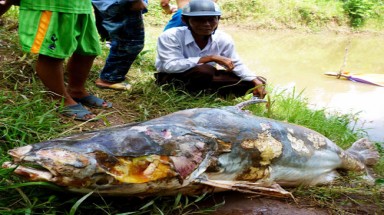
pixel 358 11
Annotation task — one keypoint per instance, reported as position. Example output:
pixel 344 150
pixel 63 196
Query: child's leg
pixel 50 71
pixel 78 67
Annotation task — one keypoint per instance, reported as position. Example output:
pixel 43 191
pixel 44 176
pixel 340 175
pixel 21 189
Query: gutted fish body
pixel 191 151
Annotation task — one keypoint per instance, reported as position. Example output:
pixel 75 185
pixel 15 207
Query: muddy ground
pixel 238 203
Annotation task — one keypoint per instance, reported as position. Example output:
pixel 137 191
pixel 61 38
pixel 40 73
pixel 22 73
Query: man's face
pixel 203 25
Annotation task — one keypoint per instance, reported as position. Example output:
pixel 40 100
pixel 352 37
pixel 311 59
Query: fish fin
pixel 259 188
pixel 365 151
pixel 365 155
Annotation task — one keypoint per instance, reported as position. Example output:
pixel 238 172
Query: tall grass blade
pixel 78 203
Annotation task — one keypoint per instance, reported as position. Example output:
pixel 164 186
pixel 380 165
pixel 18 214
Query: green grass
pixel 28 116
pixel 26 119
pixel 311 15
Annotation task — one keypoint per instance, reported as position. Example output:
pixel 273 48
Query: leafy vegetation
pixel 27 115
pixel 293 14
pixel 358 11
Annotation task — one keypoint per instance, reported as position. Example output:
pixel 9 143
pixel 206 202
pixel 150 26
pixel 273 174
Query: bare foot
pixel 121 86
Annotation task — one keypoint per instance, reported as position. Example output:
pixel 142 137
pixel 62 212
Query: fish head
pixel 130 160
pixel 83 170
pixel 60 165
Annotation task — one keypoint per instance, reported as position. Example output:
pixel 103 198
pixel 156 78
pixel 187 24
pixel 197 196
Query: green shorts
pixel 58 35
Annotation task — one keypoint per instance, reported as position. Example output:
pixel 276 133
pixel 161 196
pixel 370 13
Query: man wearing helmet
pixel 190 55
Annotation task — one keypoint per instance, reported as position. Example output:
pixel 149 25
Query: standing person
pixel 56 30
pixel 189 55
pixel 177 10
pixel 123 20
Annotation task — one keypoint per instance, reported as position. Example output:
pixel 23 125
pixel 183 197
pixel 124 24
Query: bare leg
pixel 50 71
pixel 78 68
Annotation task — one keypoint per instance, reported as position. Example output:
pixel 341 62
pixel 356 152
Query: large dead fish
pixel 190 152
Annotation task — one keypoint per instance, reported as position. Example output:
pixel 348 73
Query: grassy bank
pixel 313 15
pixel 27 116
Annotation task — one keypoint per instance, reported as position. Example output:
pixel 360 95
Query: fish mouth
pixel 35 172
pixel 30 173
pixel 61 166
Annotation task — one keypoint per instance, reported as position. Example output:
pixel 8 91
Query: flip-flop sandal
pixel 93 102
pixel 78 112
pixel 122 86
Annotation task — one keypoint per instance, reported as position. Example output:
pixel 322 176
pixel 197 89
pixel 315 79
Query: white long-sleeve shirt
pixel 177 52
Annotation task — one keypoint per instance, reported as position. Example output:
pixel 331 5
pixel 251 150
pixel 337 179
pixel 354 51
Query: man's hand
pixel 227 63
pixel 259 90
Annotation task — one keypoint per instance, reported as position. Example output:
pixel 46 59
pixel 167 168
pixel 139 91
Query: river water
pixel 292 60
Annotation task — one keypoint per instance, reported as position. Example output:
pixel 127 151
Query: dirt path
pixel 239 203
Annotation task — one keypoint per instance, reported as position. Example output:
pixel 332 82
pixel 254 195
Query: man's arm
pixel 170 57
pixel 225 62
pixel 241 70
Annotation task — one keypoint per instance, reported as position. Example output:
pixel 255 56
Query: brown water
pixel 291 60
pixel 299 61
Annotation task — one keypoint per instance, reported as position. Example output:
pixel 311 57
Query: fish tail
pixel 365 151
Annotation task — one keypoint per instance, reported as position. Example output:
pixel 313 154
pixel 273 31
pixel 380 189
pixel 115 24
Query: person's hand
pixel 173 8
pixel 259 90
pixel 169 8
pixel 138 5
pixel 225 62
